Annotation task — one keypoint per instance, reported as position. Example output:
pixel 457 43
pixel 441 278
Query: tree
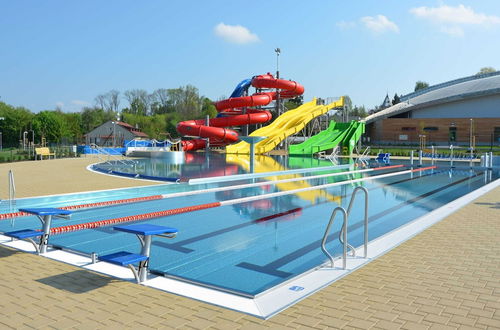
pixel 359 111
pixel 486 69
pixel 93 117
pixel 396 99
pixel 109 101
pixel 51 125
pixel 295 102
pixel 420 85
pixel 139 101
pixel 208 108
pixel 16 121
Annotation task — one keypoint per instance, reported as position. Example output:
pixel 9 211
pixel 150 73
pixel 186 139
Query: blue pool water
pixel 247 248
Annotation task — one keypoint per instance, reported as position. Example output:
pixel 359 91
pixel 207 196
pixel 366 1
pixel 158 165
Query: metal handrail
pixel 325 236
pixel 349 208
pixel 110 156
pixel 343 231
pixel 12 186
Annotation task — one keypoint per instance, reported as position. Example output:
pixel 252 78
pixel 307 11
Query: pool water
pixel 250 247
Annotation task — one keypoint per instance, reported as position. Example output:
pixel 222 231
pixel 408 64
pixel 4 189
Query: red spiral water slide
pixel 234 116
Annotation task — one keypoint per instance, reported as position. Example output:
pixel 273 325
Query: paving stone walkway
pixel 447 277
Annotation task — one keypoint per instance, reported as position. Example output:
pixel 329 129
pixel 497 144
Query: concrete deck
pixel 447 277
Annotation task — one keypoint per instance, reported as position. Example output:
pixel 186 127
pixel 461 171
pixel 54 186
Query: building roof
pixel 454 90
pixel 137 132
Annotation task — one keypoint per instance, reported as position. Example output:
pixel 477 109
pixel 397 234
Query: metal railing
pixel 102 151
pixel 12 191
pixel 327 231
pixel 343 231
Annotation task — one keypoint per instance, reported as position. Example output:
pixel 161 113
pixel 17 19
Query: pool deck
pixel 447 277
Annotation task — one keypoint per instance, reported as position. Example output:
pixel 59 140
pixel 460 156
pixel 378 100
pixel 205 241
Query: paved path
pixel 447 277
pixel 60 176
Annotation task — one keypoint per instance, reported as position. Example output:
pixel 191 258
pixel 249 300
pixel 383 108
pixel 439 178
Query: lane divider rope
pixel 88 205
pixel 196 192
pixel 187 209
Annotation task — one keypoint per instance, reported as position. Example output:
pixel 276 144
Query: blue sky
pixel 67 52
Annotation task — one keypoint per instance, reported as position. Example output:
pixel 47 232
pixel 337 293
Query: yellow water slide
pixel 289 123
pixel 265 164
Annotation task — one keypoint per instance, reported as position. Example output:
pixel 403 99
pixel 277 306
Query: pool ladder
pixel 343 231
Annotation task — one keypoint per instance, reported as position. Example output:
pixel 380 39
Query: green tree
pixel 420 85
pixel 396 99
pixel 359 111
pixel 16 121
pixel 74 126
pixel 486 69
pixel 51 125
pixel 139 101
pixel 294 102
pixel 208 108
pixel 93 117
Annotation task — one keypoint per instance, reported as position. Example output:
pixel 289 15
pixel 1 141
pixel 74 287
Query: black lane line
pixel 179 246
pixel 272 267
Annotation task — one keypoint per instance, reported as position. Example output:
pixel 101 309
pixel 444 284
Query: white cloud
pixel 345 25
pixel 454 15
pixel 235 34
pixel 379 24
pixel 451 20
pixel 60 105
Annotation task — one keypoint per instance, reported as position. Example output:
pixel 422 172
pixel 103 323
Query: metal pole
pixel 207 146
pixel 451 155
pixel 278 100
pixel 252 157
pixel 114 133
pixel 411 158
pixel 145 251
pixel 44 240
pixel 420 157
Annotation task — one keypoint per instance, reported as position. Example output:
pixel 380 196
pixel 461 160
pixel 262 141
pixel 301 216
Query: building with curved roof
pixel 455 112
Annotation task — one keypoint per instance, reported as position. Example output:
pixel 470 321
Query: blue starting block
pixel 144 233
pixel 45 215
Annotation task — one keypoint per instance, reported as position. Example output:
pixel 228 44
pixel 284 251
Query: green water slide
pixel 343 134
pixel 356 129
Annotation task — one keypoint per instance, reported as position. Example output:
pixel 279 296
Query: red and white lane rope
pixel 187 209
pixel 88 205
pixel 197 192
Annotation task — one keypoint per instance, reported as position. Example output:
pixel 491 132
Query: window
pixel 497 134
pixel 430 129
pixel 409 129
pixel 452 134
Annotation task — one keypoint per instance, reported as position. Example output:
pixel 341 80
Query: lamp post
pixel 114 132
pixel 278 106
pixel 25 138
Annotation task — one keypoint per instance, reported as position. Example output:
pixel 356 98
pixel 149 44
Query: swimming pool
pixel 250 247
pixel 203 165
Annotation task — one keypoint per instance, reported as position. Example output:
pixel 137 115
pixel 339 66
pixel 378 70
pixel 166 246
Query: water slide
pixel 343 134
pixel 231 111
pixel 289 123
